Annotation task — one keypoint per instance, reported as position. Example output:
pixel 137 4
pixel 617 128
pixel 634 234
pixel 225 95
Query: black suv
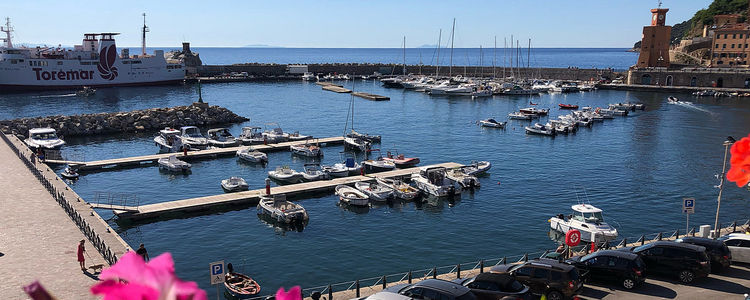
pixel 721 257
pixel 545 276
pixel 686 261
pixel 492 286
pixel 627 269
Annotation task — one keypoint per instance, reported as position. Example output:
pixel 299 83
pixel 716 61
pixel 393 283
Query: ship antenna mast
pixel 7 29
pixel 143 40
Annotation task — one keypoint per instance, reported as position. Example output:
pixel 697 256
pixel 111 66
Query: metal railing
pixel 29 160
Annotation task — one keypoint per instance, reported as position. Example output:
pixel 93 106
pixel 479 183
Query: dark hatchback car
pixel 718 252
pixel 433 289
pixel 626 269
pixel 685 261
pixel 547 277
pixel 491 286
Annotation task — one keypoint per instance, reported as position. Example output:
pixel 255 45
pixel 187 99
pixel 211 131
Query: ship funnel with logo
pixel 107 56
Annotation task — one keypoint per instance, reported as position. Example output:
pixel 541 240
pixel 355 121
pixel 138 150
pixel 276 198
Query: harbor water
pixel 636 168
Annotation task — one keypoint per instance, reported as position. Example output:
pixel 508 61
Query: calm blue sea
pixel 616 58
pixel 636 168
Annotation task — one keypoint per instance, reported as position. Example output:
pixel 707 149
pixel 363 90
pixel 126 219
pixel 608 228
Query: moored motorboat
pixel 285 174
pixel 401 190
pixel 240 286
pixel 351 196
pixel 540 129
pixel 307 149
pixel 313 172
pixel 44 138
pixel 357 144
pixel 588 220
pixel 191 136
pixel 466 181
pixel 364 136
pixel 432 181
pixel 220 137
pixel 378 165
pixel 169 140
pixel 519 116
pixel 491 122
pixel 568 106
pixel 281 210
pixel 251 155
pixel 477 168
pixel 69 173
pixel 251 136
pixel 375 191
pixel 234 184
pixel 275 134
pixel 343 169
pixel 296 136
pixel 400 160
pixel 535 111
pixel 172 164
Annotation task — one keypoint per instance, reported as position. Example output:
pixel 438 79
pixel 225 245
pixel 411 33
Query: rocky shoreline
pixel 197 114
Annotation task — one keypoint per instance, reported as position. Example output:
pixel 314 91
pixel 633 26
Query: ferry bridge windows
pixel 720 82
pixel 646 79
pixel 694 81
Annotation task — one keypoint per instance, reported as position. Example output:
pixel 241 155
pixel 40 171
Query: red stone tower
pixel 655 41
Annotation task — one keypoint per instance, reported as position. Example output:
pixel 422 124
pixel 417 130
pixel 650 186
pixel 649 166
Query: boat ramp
pixel 176 208
pixel 146 160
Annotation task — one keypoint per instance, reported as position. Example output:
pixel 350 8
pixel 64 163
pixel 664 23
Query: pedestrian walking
pixel 142 252
pixel 81 259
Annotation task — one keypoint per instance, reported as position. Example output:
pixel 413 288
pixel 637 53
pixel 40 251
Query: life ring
pixel 573 237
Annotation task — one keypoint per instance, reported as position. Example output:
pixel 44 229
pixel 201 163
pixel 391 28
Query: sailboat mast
pixel 437 69
pixel 404 55
pixel 494 57
pixel 510 56
pixel 528 59
pixel 481 63
pixel 453 32
pixel 505 55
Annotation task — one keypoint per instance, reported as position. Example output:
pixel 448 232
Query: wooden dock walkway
pixel 369 96
pixel 251 197
pixel 335 88
pixel 147 160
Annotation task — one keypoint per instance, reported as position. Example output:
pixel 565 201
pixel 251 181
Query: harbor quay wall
pixel 196 114
pixel 690 77
pixel 390 69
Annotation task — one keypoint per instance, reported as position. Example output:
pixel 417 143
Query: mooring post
pixel 481 266
pixel 458 271
pixel 384 283
pixel 330 292
pixel 356 286
pixel 434 272
pixel 409 278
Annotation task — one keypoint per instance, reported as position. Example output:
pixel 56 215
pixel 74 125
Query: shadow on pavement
pixel 739 271
pixel 716 284
pixel 593 293
pixel 646 289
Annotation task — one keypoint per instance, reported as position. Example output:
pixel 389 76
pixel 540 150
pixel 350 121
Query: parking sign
pixel 688 205
pixel 217 272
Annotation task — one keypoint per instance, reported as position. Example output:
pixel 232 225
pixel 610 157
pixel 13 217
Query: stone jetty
pixel 197 114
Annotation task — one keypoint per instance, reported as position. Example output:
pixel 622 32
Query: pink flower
pixel 293 294
pixel 154 280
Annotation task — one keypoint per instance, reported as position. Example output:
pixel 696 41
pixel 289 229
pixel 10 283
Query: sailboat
pixel 354 140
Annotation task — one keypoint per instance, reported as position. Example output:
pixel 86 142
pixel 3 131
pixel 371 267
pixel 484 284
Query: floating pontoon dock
pixel 369 96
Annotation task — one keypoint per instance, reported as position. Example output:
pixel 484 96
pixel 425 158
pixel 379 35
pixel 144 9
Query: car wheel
pixel 628 283
pixel 554 295
pixel 687 276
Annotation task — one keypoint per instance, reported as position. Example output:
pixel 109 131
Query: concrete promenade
pixel 38 239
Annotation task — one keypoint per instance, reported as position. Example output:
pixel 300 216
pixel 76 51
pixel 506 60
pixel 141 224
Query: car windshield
pixel 44 136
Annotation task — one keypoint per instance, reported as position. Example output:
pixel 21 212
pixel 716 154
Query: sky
pixel 342 24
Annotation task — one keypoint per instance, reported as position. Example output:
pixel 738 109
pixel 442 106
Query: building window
pixel 720 62
pixel 723 46
pixel 717 46
pixel 740 35
pixel 726 36
pixel 723 55
pixel 734 36
pixel 732 46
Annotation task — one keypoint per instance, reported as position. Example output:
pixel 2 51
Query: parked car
pixel 491 286
pixel 717 251
pixel 549 277
pixel 739 246
pixel 627 269
pixel 386 296
pixel 685 261
pixel 433 289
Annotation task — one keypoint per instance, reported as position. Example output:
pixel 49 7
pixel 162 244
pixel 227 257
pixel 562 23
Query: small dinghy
pixel 464 180
pixel 568 106
pixel 519 116
pixel 672 99
pixel 380 165
pixel 376 192
pixel 282 211
pixel 285 174
pixel 400 160
pixel 234 184
pixel 251 155
pixel 401 190
pixel 172 164
pixel 313 172
pixel 492 123
pixel 298 137
pixel 69 173
pixel 240 285
pixel 541 130
pixel 308 150
pixel 351 196
pixel 477 168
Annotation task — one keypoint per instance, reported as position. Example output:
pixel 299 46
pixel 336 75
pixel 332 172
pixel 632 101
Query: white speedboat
pixel 401 190
pixel 364 136
pixel 307 149
pixel 377 192
pixel 466 181
pixel 379 165
pixel 85 92
pixel 281 210
pixel 169 140
pixel 535 111
pixel 336 170
pixel 172 164
pixel 308 76
pixel 540 129
pixel 275 134
pixel 313 172
pixel 519 116
pixel 69 173
pixel 461 90
pixel 296 136
pixel 220 137
pixel 251 136
pixel 432 181
pixel 351 196
pixel 357 144
pixel 251 155
pixel 479 93
pixel 477 168
pixel 45 138
pixel 588 220
pixel 191 136
pixel 234 184
pixel 491 122
pixel 285 175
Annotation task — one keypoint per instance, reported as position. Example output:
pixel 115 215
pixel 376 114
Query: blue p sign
pixel 689 203
pixel 217 269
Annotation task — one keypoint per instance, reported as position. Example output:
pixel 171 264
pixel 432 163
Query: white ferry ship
pixel 94 63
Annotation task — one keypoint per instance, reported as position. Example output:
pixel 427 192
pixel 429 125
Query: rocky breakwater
pixel 197 114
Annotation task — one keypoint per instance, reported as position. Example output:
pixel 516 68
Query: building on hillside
pixel 655 41
pixel 730 42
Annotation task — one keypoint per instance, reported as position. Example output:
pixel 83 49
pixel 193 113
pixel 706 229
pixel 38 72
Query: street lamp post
pixel 730 140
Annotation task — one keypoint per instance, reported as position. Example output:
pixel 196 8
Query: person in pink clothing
pixel 81 259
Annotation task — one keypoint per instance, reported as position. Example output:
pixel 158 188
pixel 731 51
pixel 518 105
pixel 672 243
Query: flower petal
pixel 115 290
